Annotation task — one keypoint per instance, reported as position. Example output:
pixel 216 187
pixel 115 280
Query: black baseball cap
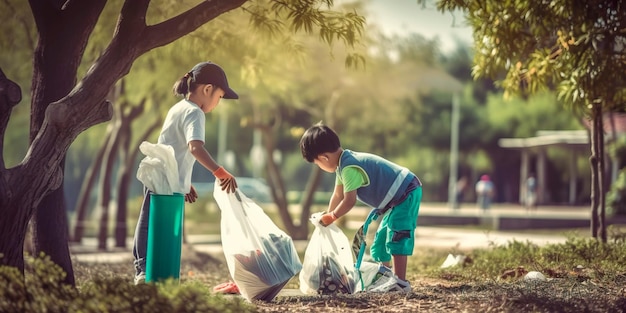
pixel 211 73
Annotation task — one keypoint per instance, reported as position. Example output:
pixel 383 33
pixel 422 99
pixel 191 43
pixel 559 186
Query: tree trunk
pixel 601 179
pixel 127 161
pixel 123 185
pixel 307 200
pixel 593 160
pixel 279 193
pixel 62 109
pixel 82 205
pixel 14 225
pixel 15 213
pixel 51 232
pixel 106 173
pixel 56 60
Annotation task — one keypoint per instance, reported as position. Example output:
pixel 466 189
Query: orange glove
pixel 227 181
pixel 328 218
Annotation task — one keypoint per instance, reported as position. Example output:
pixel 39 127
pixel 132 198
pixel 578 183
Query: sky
pixel 401 17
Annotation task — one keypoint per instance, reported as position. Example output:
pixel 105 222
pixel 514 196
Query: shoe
pixel 140 278
pixel 382 281
pixel 228 288
pixel 386 281
pixel 403 286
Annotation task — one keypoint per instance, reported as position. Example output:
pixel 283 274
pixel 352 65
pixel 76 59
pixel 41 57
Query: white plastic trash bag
pixel 328 266
pixel 453 260
pixel 534 275
pixel 261 257
pixel 158 171
pixel 368 274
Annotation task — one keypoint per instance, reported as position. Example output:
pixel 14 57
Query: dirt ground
pixel 428 295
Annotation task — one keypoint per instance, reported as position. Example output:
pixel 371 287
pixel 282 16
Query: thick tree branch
pixel 66 118
pixel 188 21
pixel 63 123
pixel 136 110
pixel 132 39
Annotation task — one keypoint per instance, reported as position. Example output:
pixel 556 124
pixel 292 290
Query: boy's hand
pixel 328 218
pixel 191 196
pixel 227 181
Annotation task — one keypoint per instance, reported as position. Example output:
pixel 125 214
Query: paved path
pixel 435 237
pixel 439 237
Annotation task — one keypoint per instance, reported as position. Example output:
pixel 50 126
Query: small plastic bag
pixel 158 171
pixel 261 257
pixel 328 266
pixel 368 271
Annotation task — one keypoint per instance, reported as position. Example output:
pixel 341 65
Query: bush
pixel 616 197
pixel 555 260
pixel 41 289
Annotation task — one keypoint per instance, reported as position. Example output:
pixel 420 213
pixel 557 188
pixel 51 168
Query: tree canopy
pixel 65 101
pixel 577 48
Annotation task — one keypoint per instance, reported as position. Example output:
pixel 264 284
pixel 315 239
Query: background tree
pixel 575 47
pixel 61 108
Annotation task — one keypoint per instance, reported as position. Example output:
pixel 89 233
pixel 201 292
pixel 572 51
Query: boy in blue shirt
pixel 377 182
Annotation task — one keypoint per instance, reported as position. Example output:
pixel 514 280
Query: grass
pixel 583 275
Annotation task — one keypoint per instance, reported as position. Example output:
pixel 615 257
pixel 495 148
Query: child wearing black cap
pixel 183 129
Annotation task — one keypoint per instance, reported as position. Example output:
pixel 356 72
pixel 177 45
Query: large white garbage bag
pixel 328 266
pixel 261 257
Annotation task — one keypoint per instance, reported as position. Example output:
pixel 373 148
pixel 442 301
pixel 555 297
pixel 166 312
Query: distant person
pixel 202 88
pixel 459 191
pixel 379 183
pixel 531 192
pixel 485 191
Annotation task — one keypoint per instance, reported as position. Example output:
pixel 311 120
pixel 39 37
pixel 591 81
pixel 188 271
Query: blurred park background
pixel 411 99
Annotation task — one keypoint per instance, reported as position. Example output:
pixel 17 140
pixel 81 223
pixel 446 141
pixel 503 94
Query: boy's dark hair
pixel 318 139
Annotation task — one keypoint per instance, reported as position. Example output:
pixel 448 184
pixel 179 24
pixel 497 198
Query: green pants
pixel 396 232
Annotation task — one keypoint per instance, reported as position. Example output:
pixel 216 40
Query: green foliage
pixel 519 117
pixel 489 264
pixel 617 151
pixel 195 297
pixel 533 46
pixel 616 197
pixel 118 294
pixel 13 294
pixel 577 256
pixel 41 289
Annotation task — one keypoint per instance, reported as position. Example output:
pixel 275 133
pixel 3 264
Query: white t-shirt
pixel 484 187
pixel 184 122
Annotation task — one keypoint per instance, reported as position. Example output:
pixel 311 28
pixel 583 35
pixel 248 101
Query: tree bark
pixel 127 160
pixel 51 232
pixel 82 205
pixel 55 66
pixel 593 160
pixel 14 221
pixel 10 96
pixel 121 234
pixel 62 109
pixel 601 179
pixel 104 184
pixel 307 199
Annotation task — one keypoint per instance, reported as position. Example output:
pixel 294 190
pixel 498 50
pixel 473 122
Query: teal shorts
pixel 396 231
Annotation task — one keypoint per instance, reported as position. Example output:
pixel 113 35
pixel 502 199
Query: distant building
pixel 576 142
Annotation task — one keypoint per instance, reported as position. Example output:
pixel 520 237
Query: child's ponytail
pixel 181 87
